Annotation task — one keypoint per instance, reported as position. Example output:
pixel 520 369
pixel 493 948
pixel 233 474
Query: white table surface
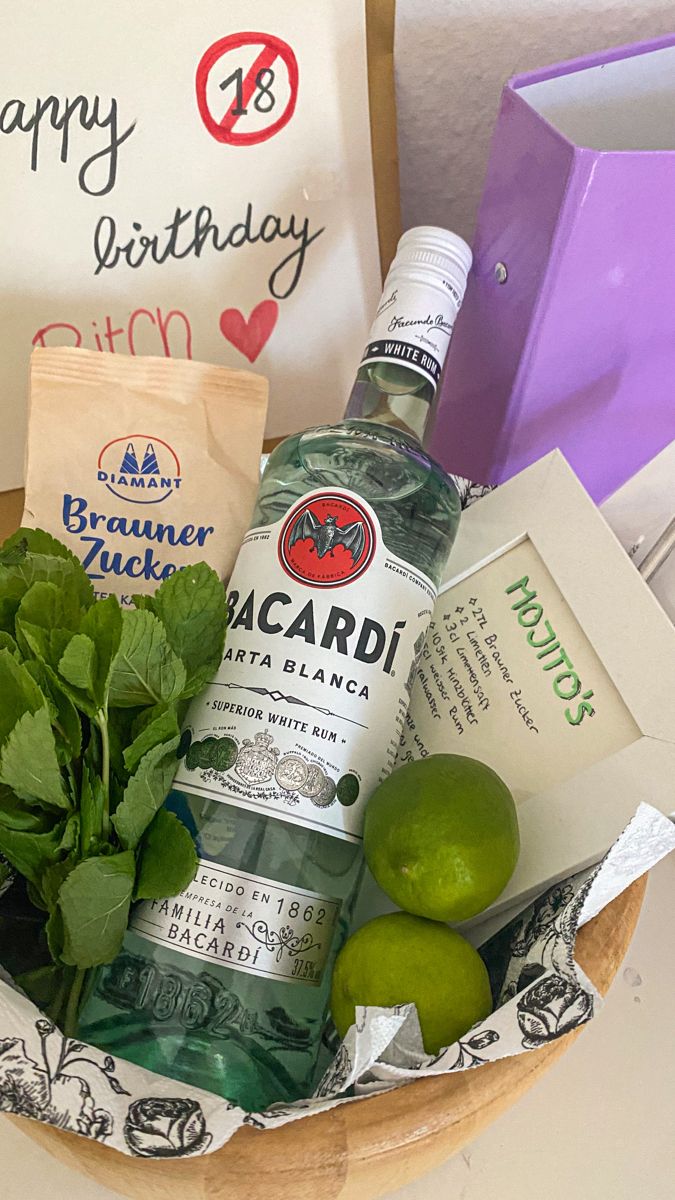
pixel 598 1126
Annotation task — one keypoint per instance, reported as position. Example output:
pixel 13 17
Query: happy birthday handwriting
pixel 191 232
pixel 36 118
pixel 58 125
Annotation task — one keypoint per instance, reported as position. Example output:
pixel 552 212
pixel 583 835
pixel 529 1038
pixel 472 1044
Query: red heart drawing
pixel 249 336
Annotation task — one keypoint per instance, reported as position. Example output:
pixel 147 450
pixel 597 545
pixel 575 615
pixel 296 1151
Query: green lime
pixel 348 790
pixel 441 837
pixel 400 959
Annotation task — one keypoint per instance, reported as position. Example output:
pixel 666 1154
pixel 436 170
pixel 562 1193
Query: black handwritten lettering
pixel 190 232
pixel 61 116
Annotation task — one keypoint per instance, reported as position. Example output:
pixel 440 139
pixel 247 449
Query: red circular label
pixel 253 92
pixel 327 540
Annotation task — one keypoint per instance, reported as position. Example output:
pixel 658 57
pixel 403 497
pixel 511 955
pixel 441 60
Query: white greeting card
pixel 640 513
pixel 191 182
pixel 550 660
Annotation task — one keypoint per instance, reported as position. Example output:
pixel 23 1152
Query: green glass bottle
pixel 226 986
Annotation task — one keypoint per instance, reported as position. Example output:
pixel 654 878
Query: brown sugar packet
pixel 142 465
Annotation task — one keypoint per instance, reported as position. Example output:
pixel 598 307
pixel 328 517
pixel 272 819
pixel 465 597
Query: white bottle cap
pixel 438 252
pixel 422 295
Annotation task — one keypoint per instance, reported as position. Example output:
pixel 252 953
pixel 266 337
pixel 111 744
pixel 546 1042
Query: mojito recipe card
pixel 508 676
pixel 189 182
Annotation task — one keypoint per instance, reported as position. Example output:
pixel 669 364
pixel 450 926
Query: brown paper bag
pixel 142 465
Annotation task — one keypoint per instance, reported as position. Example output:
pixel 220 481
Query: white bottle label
pixel 306 713
pixel 244 922
pixel 413 326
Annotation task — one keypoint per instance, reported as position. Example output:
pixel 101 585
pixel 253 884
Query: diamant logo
pixel 139 468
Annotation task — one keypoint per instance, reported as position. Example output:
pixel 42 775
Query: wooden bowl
pixel 359 1150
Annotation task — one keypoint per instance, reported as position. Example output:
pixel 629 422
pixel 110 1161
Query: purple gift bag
pixel 567 335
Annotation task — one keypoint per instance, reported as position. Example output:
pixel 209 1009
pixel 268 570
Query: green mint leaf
pixel 163 728
pixel 33 639
pixel 37 541
pixel 145 716
pixel 51 607
pixel 117 786
pixel 167 858
pixel 31 853
pixel 145 669
pixel 145 793
pixel 78 663
pixel 103 624
pixel 35 896
pixel 19 693
pixel 92 803
pixel 120 735
pixel 12 589
pixel 48 649
pixel 64 716
pixel 144 602
pixel 94 904
pixel 38 672
pixel 41 985
pixel 44 568
pixel 8 609
pixel 54 932
pixel 191 606
pixel 81 701
pixel 45 621
pixel 7 642
pixel 70 837
pixel 53 877
pixel 47 645
pixel 11 554
pixel 16 580
pixel 66 724
pixel 28 762
pixel 16 814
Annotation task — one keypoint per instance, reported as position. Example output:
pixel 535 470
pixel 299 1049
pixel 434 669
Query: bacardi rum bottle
pixel 226 985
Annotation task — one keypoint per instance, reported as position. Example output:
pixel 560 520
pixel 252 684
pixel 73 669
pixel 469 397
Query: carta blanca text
pixel 302 670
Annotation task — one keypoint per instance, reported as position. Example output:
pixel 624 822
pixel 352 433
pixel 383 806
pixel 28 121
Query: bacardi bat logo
pixel 328 535
pixel 327 540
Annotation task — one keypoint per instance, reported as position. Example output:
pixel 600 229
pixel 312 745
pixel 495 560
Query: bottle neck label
pixel 413 326
pixel 306 713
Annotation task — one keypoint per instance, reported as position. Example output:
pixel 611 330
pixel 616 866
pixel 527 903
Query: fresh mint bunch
pixel 91 702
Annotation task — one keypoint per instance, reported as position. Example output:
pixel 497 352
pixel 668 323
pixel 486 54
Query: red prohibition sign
pixel 271 48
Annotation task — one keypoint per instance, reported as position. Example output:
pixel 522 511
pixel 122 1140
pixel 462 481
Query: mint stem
pixel 102 722
pixel 73 1009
